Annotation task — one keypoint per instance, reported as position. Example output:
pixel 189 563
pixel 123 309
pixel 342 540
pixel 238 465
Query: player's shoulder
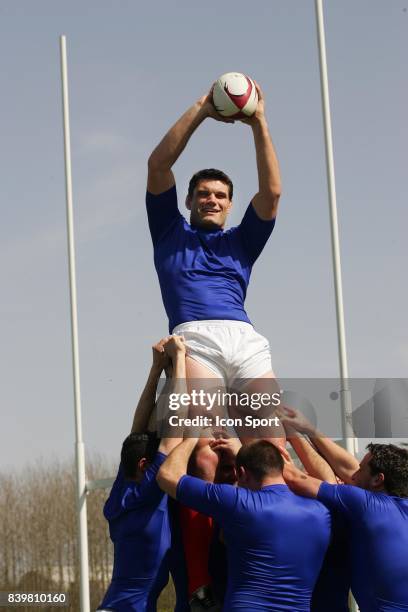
pixel 312 504
pixel 168 194
pixel 224 489
pixel 113 505
pixel 384 502
pixel 127 494
pixel 340 491
pixel 355 500
pixel 265 497
pixel 159 458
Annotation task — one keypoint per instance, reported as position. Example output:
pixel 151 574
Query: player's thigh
pixel 205 387
pixel 208 385
pixel 196 369
pixel 263 395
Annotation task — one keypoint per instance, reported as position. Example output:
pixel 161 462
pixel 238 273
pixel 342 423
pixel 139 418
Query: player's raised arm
pixel 341 461
pixel 176 351
pixel 298 481
pixel 266 200
pixel 160 176
pixel 147 401
pixel 175 466
pixel 314 464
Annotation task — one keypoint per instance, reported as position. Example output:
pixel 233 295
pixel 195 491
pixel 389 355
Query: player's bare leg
pixel 273 432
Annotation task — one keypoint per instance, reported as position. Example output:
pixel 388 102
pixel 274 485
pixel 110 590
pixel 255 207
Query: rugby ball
pixel 235 95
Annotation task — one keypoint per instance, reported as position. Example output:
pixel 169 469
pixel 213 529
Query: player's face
pixel 225 473
pixel 364 478
pixel 210 204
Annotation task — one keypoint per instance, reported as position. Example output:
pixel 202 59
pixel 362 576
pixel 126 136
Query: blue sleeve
pixel 162 212
pixel 348 500
pixel 127 495
pixel 218 501
pixel 254 233
pixel 148 486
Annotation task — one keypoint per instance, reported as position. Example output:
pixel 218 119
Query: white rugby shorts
pixel 231 349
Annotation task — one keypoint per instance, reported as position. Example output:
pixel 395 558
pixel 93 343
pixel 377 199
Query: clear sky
pixel 134 67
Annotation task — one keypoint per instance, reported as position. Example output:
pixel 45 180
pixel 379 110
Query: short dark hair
pixel 210 174
pixel 135 447
pixel 261 458
pixel 392 461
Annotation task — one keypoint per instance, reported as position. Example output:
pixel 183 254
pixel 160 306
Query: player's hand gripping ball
pixel 235 95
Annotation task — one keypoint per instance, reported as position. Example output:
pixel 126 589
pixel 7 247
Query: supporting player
pixel 374 504
pixel 137 510
pixel 203 270
pixel 275 541
pixel 332 589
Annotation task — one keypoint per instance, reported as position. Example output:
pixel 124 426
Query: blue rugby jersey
pixel 378 525
pixel 203 274
pixel 140 530
pixel 276 542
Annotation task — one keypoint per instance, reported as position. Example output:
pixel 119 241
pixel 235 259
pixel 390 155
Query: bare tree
pixel 38 533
